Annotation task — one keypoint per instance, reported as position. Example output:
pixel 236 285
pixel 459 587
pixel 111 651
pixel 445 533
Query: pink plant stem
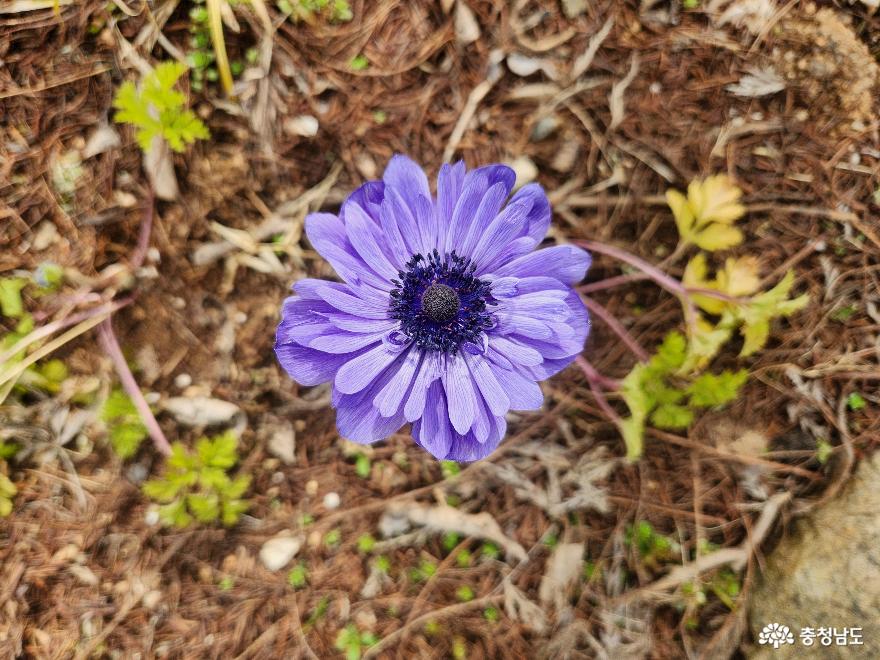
pixel 143 244
pixel 616 327
pixel 53 327
pixel 662 279
pixel 107 339
pixel 593 378
pixel 611 282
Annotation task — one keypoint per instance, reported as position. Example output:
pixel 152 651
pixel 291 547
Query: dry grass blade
pixel 19 6
pixel 11 373
pixel 215 24
pixel 449 519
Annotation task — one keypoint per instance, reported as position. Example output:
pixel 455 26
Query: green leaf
pixel 161 490
pixel 175 514
pixel 5 506
pixel 219 452
pixel 11 303
pixel 126 429
pixel 205 507
pixel 237 486
pixel 8 449
pixel 672 416
pixel 7 488
pixel 710 390
pixel 855 401
pixel 705 217
pixel 362 466
pixel 232 510
pixel 359 63
pixel 156 109
pixel 126 438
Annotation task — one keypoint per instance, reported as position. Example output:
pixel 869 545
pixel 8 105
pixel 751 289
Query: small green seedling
pixel 490 551
pixel 449 469
pixel 464 593
pixel 652 547
pixel 332 538
pixel 335 11
pixel 359 63
pixel 298 576
pixel 7 492
pixel 491 614
pixel 125 427
pixel 156 109
pixel 425 570
pixel 382 564
pixel 353 642
pixel 366 543
pixel 362 466
pixel 196 485
pixel 855 401
pixel 450 540
pixel 464 559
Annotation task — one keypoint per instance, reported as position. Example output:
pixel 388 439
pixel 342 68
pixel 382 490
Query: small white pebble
pixel 855 158
pixel 178 303
pixel 152 397
pixel 154 255
pixel 240 317
pixel 183 381
pixel 152 599
pixel 331 500
pixel 151 517
pixel 655 88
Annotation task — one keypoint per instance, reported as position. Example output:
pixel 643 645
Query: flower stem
pixel 594 378
pixel 617 328
pixel 107 339
pixel 652 272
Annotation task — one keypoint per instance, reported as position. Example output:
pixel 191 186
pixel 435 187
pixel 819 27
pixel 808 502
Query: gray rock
pixel 277 552
pixel 826 574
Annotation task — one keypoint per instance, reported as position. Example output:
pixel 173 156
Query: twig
pixel 477 94
pixel 108 342
pixel 443 612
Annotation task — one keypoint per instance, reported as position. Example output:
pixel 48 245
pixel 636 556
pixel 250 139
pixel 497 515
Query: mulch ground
pixel 806 157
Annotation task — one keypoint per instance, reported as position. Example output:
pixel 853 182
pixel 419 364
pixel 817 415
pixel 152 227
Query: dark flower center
pixel 439 302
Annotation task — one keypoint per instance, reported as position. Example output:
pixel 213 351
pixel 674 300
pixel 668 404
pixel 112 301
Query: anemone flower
pixel 446 316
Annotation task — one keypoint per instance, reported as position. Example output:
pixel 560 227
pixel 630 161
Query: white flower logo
pixel 775 634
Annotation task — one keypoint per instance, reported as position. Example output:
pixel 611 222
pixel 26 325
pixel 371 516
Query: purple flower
pixel 446 316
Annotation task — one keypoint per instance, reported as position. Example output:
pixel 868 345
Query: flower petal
pixel 449 184
pixel 483 218
pixel 465 210
pixel 460 393
pixel 539 210
pixel 390 397
pixel 307 366
pixel 353 304
pixel 428 372
pixel 327 235
pixel 434 431
pixel 484 376
pixel 407 179
pixel 358 373
pixel 566 263
pixel 365 238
